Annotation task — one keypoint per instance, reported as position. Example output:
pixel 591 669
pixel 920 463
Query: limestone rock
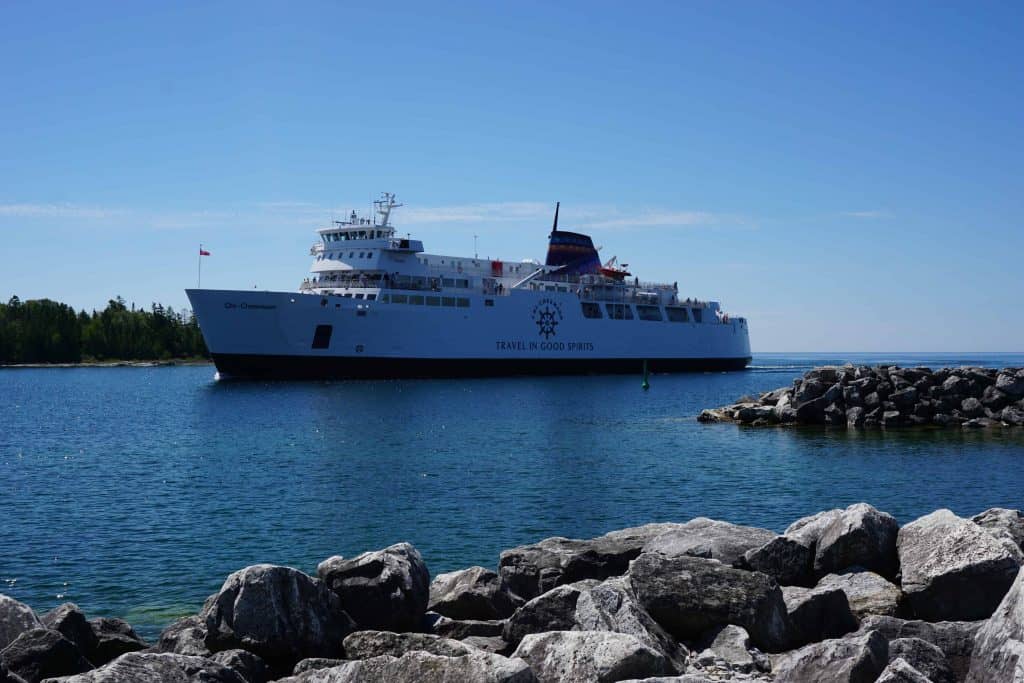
pixel 164 667
pixel 71 623
pixel 589 657
pixel 369 644
pixel 999 645
pixel 690 595
pixel 855 659
pixel 952 568
pixel 555 610
pixel 899 671
pixel 474 593
pixel 384 590
pixel 1003 523
pixel 1011 385
pixel 43 653
pixel 186 636
pixel 859 536
pixel 816 614
pixel 955 638
pixel 114 637
pixel 703 537
pixel 788 560
pixel 866 592
pixel 316 663
pixel 730 644
pixel 249 666
pixel 422 667
pixel 278 613
pixel 493 644
pixel 530 570
pixel 923 656
pixel 457 629
pixel 15 618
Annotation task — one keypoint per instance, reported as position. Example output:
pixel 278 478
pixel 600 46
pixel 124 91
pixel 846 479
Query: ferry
pixel 376 305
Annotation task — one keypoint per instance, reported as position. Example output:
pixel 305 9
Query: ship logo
pixel 547 314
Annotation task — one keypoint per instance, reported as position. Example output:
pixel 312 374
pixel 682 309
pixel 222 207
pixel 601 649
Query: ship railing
pixel 317 248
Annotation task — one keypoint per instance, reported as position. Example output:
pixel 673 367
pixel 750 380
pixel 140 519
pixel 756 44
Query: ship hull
pixel 286 335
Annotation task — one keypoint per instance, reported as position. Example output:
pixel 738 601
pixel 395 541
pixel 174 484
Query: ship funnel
pixel 573 251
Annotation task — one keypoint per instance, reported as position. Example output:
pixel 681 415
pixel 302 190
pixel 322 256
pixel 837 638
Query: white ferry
pixel 377 306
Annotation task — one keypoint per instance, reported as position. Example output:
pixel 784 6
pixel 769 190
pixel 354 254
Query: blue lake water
pixel 134 492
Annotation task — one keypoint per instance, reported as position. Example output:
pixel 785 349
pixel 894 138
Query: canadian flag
pixel 203 252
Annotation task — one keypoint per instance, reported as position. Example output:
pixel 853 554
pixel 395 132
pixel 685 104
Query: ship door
pixel 322 336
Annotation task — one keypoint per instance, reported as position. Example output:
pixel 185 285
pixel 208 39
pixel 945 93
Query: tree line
pixel 45 331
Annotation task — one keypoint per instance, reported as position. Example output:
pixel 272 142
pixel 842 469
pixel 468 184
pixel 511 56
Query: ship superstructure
pixel 377 305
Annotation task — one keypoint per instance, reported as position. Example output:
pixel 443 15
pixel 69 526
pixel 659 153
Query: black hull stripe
pixel 361 367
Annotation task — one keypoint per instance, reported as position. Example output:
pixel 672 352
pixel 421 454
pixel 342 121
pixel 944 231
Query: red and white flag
pixel 203 252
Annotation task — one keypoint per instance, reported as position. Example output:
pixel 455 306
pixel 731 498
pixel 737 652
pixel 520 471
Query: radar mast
pixel 384 206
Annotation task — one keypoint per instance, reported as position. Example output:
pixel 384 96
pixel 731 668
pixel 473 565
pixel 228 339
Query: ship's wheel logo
pixel 547 314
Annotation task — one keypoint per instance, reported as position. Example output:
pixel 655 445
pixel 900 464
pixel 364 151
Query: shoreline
pixel 110 364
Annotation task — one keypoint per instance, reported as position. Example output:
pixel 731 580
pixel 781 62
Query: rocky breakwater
pixel 855 397
pixel 844 595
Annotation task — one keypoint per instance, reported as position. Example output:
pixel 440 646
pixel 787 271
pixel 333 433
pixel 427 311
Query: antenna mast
pixel 384 206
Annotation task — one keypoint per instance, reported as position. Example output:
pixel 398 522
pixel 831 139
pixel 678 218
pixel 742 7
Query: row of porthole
pixel 341 254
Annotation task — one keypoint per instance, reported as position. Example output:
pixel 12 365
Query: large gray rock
pixel 866 592
pixel 954 638
pixel 690 595
pixel 816 614
pixel 186 636
pixel 731 644
pixel 384 590
pixel 859 536
pixel 15 618
pixel 114 637
pixel 613 606
pixel 530 570
pixel 369 644
pixel 923 656
pixel 854 659
pixel 71 623
pixel 555 610
pixel 589 657
pixel 315 664
pixel 1003 524
pixel 999 645
pixel 457 629
pixel 164 667
pixel 1011 385
pixel 422 667
pixel 703 537
pixel 249 666
pixel 952 568
pixel 474 593
pixel 278 613
pixel 42 653
pixel 787 559
pixel 899 671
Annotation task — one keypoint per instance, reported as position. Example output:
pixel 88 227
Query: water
pixel 133 492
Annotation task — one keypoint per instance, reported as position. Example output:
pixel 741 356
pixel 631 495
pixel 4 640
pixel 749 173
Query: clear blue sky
pixel 850 176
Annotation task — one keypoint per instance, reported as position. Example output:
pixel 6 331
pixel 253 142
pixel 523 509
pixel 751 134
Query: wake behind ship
pixel 377 306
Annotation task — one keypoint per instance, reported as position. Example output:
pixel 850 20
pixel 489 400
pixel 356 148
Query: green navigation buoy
pixel 646 383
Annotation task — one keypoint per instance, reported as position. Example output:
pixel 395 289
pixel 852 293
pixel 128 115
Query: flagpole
pixel 199 279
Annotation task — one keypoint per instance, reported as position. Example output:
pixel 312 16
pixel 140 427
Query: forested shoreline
pixel 45 331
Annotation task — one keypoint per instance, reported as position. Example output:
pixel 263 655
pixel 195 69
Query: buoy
pixel 646 383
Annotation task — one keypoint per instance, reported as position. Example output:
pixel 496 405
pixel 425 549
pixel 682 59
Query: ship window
pixel 448 301
pixel 416 300
pixel 648 312
pixel 677 315
pixel 463 302
pixel 549 288
pixel 369 254
pixel 698 315
pixel 590 310
pixel 351 254
pixel 359 296
pixel 619 311
pixel 433 301
pixel 448 282
pixel 361 313
pixel 488 302
pixel 371 297
pixel 362 254
pixel 399 298
pixel 322 336
pixel 463 283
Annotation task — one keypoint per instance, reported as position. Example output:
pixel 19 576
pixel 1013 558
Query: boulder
pixel 859 536
pixel 1003 524
pixel 954 638
pixel 809 390
pixel 552 611
pixel 589 657
pixel 43 653
pixel 474 593
pixel 998 653
pixel 787 559
pixel 1013 416
pixel 971 407
pixel 278 613
pixel 71 623
pixel 1011 385
pixel 730 644
pixel 855 659
pixel 245 663
pixel 923 656
pixel 422 667
pixel 899 671
pixel 993 399
pixel 816 614
pixel 369 644
pixel 493 644
pixel 855 417
pixel 952 568
pixel 315 664
pixel 866 592
pixel 186 636
pixel 457 629
pixel 904 399
pixel 691 595
pixel 530 570
pixel 162 667
pixel 703 537
pixel 15 618
pixel 812 412
pixel 114 637
pixel 385 590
